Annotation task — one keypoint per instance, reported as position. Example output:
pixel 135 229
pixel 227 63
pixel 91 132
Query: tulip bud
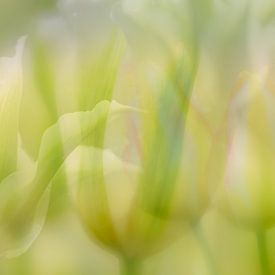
pixel 247 193
pixel 106 192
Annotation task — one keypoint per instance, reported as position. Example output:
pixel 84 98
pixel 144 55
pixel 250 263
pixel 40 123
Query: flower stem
pixel 263 254
pixel 130 266
pixel 206 251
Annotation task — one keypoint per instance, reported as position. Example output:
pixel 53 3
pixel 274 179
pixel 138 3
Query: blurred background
pixel 71 51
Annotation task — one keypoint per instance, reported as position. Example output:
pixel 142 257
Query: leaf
pixel 16 236
pixel 164 137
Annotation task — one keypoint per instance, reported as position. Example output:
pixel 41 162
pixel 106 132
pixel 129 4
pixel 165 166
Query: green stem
pixel 206 251
pixel 263 254
pixel 130 266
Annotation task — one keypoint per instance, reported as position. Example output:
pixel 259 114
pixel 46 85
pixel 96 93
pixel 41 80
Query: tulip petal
pixel 10 98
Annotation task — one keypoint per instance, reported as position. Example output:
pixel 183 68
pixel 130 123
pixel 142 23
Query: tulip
pixel 247 194
pixel 183 155
pixel 131 238
pixel 176 137
pixel 130 206
pixel 106 194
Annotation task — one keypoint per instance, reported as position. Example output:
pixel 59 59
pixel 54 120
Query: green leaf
pixel 16 235
pixel 164 135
